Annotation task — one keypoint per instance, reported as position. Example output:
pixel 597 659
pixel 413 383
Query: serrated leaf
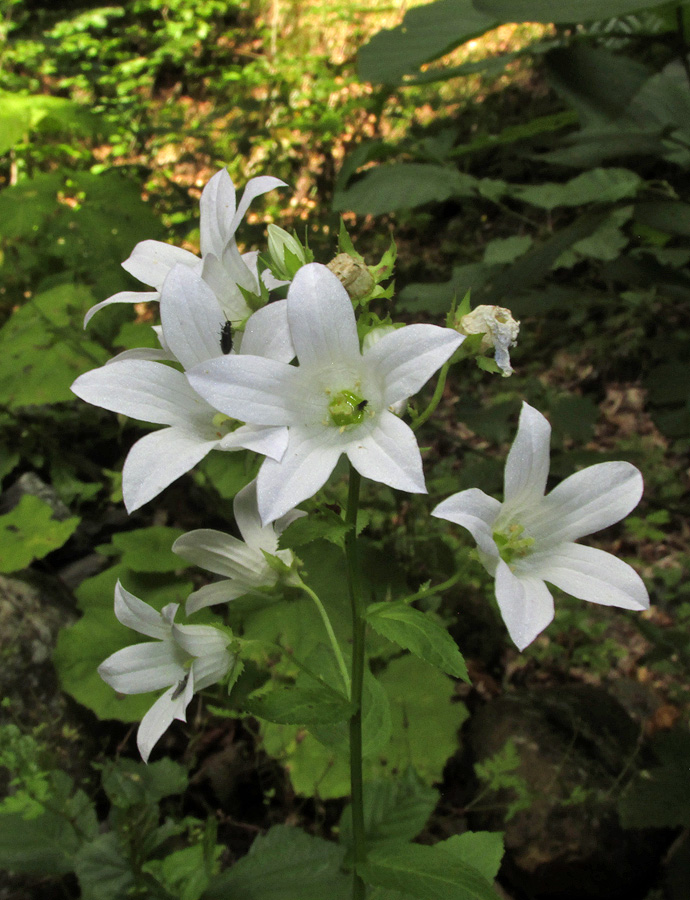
pixel 429 873
pixel 103 870
pixel 285 864
pixel 321 524
pixel 148 549
pixel 483 850
pixel 299 705
pixel 403 186
pixel 30 532
pixel 418 633
pixel 128 782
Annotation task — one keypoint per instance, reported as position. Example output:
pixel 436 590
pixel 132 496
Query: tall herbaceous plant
pixel 282 358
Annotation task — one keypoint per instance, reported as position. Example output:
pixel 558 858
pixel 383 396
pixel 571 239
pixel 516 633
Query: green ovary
pixel 347 408
pixel 224 424
pixel 511 543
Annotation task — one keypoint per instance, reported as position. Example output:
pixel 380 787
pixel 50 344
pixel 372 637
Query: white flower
pixel 500 332
pixel 529 538
pixel 242 563
pixel 221 264
pixel 336 401
pixel 151 391
pixel 183 658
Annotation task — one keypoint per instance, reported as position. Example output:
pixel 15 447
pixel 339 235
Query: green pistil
pixel 347 408
pixel 512 545
pixel 224 424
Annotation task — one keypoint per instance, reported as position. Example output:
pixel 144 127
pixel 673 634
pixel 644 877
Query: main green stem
pixel 358 631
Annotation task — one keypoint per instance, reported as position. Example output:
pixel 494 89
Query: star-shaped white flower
pixel 183 658
pixel 336 401
pixel 529 538
pixel 142 388
pixel 242 564
pixel 221 265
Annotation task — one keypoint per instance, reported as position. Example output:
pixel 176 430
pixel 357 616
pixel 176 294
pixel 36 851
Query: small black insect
pixel 226 338
pixel 362 405
pixel 182 684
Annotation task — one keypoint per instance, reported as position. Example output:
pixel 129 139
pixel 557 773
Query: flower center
pixel 347 408
pixel 512 544
pixel 224 424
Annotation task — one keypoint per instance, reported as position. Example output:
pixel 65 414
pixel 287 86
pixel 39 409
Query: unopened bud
pixel 353 275
pixel 500 332
pixel 286 252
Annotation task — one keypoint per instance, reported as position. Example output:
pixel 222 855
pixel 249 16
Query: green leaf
pixel 483 850
pixel 403 186
pixel 322 523
pixel 44 845
pixel 300 705
pixel 285 864
pixel 506 250
pixel 563 12
pixel 394 809
pixel 418 633
pixel 426 33
pixel 228 472
pixel 128 782
pixel 103 870
pixel 595 186
pixel 30 532
pixel 20 114
pixel 429 873
pixel 146 549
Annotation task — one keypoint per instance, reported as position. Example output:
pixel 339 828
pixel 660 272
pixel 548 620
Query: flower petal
pixel 527 466
pixel 255 390
pixel 213 594
pixel 525 602
pixel 122 297
pixel 407 358
pixel 389 453
pixel 158 459
pixel 587 501
pixel 135 614
pixel 269 440
pixel 143 390
pixel 200 640
pixel 224 284
pixel 217 207
pixel 267 333
pixel 254 188
pixel 477 512
pixel 310 458
pixel 191 317
pixel 246 510
pixel 150 261
pixel 211 668
pixel 159 718
pixel 591 574
pixel 143 667
pixel 224 555
pixel 322 320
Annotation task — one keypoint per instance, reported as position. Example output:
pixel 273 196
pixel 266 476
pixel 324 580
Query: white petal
pixel 269 440
pixel 122 297
pixel 143 390
pixel 389 453
pixel 158 459
pixel 591 574
pixel 159 718
pixel 142 353
pixel 212 594
pixel 527 466
pixel 246 510
pixel 223 283
pixel 322 320
pixel 254 188
pixel 134 613
pixel 256 390
pixel 150 261
pixel 308 461
pixel 222 554
pixel 191 317
pixel 217 207
pixel 267 333
pixel 200 640
pixel 525 603
pixel 211 668
pixel 477 512
pixel 587 501
pixel 143 667
pixel 407 358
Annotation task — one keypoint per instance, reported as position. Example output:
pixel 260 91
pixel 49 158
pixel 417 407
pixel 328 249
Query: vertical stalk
pixel 358 631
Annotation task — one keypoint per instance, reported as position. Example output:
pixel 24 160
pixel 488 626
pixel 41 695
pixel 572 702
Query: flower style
pixel 183 658
pixel 529 538
pixel 336 401
pixel 221 264
pixel 135 385
pixel 242 563
pixel 500 332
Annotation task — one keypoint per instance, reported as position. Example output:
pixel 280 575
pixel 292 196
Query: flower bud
pixel 500 332
pixel 353 275
pixel 286 252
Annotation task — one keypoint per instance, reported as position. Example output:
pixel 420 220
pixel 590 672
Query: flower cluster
pixel 265 354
